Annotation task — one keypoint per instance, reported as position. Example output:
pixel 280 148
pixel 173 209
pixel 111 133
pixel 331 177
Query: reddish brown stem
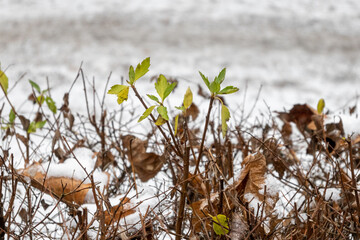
pixel 204 135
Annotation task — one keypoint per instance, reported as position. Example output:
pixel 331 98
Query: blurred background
pixel 293 51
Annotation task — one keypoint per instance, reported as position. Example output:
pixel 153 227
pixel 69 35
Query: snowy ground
pixel 299 51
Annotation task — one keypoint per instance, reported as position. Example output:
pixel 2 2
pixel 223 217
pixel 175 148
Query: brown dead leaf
pixel 60 154
pixel 119 211
pixel 301 115
pixel 196 187
pixel 104 160
pixel 146 165
pixel 24 122
pixel 23 139
pixel 192 111
pixel 68 189
pixel 23 215
pixel 200 209
pixel 252 180
pixel 254 169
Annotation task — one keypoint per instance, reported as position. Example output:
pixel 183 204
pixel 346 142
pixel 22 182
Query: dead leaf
pixel 300 114
pixel 60 154
pixel 254 168
pixel 38 117
pixel 23 139
pixel 23 215
pixel 192 111
pixel 119 211
pixel 104 160
pixel 24 122
pixel 200 209
pixel 146 165
pixel 68 189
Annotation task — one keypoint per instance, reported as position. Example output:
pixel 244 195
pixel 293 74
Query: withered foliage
pixel 292 177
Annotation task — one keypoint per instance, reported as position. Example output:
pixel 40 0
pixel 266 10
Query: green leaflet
pixel 131 75
pixel 163 112
pixel 4 81
pixel 321 106
pixel 40 99
pixel 12 117
pixel 163 87
pixel 205 79
pixel 142 68
pixel 51 104
pixel 214 87
pixel 146 113
pixel 121 91
pixel 228 90
pixel 221 77
pixel 220 224
pixel 160 121
pixel 152 97
pixel 35 86
pixel 40 124
pixel 35 125
pixel 32 127
pixel 188 98
pixel 176 123
pixel 225 116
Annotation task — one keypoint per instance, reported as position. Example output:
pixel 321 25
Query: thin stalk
pixel 204 134
pixel 176 148
pixel 353 178
pixel 184 183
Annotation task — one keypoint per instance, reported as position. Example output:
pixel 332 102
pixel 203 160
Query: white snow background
pixel 294 51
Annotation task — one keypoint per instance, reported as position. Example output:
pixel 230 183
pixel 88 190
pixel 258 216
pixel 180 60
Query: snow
pixel 351 123
pixel 333 194
pixel 295 51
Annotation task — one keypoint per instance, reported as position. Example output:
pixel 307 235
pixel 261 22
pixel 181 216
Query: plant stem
pixel 176 148
pixel 184 183
pixel 353 176
pixel 204 135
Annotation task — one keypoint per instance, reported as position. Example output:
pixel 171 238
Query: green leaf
pixel 161 85
pixel 160 121
pixel 116 89
pixel 225 116
pixel 220 224
pixel 219 79
pixel 205 79
pixel 40 124
pixel 142 69
pixel 4 81
pixel 40 99
pixel 32 127
pixel 51 104
pixel 320 106
pixel 169 89
pixel 228 90
pixel 131 75
pixel 182 108
pixel 163 112
pixel 152 97
pixel 121 91
pixel 188 98
pixel 176 123
pixel 214 87
pixel 146 113
pixel 11 117
pixel 35 86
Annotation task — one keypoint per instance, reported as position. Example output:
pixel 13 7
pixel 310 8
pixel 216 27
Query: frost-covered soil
pixel 295 52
